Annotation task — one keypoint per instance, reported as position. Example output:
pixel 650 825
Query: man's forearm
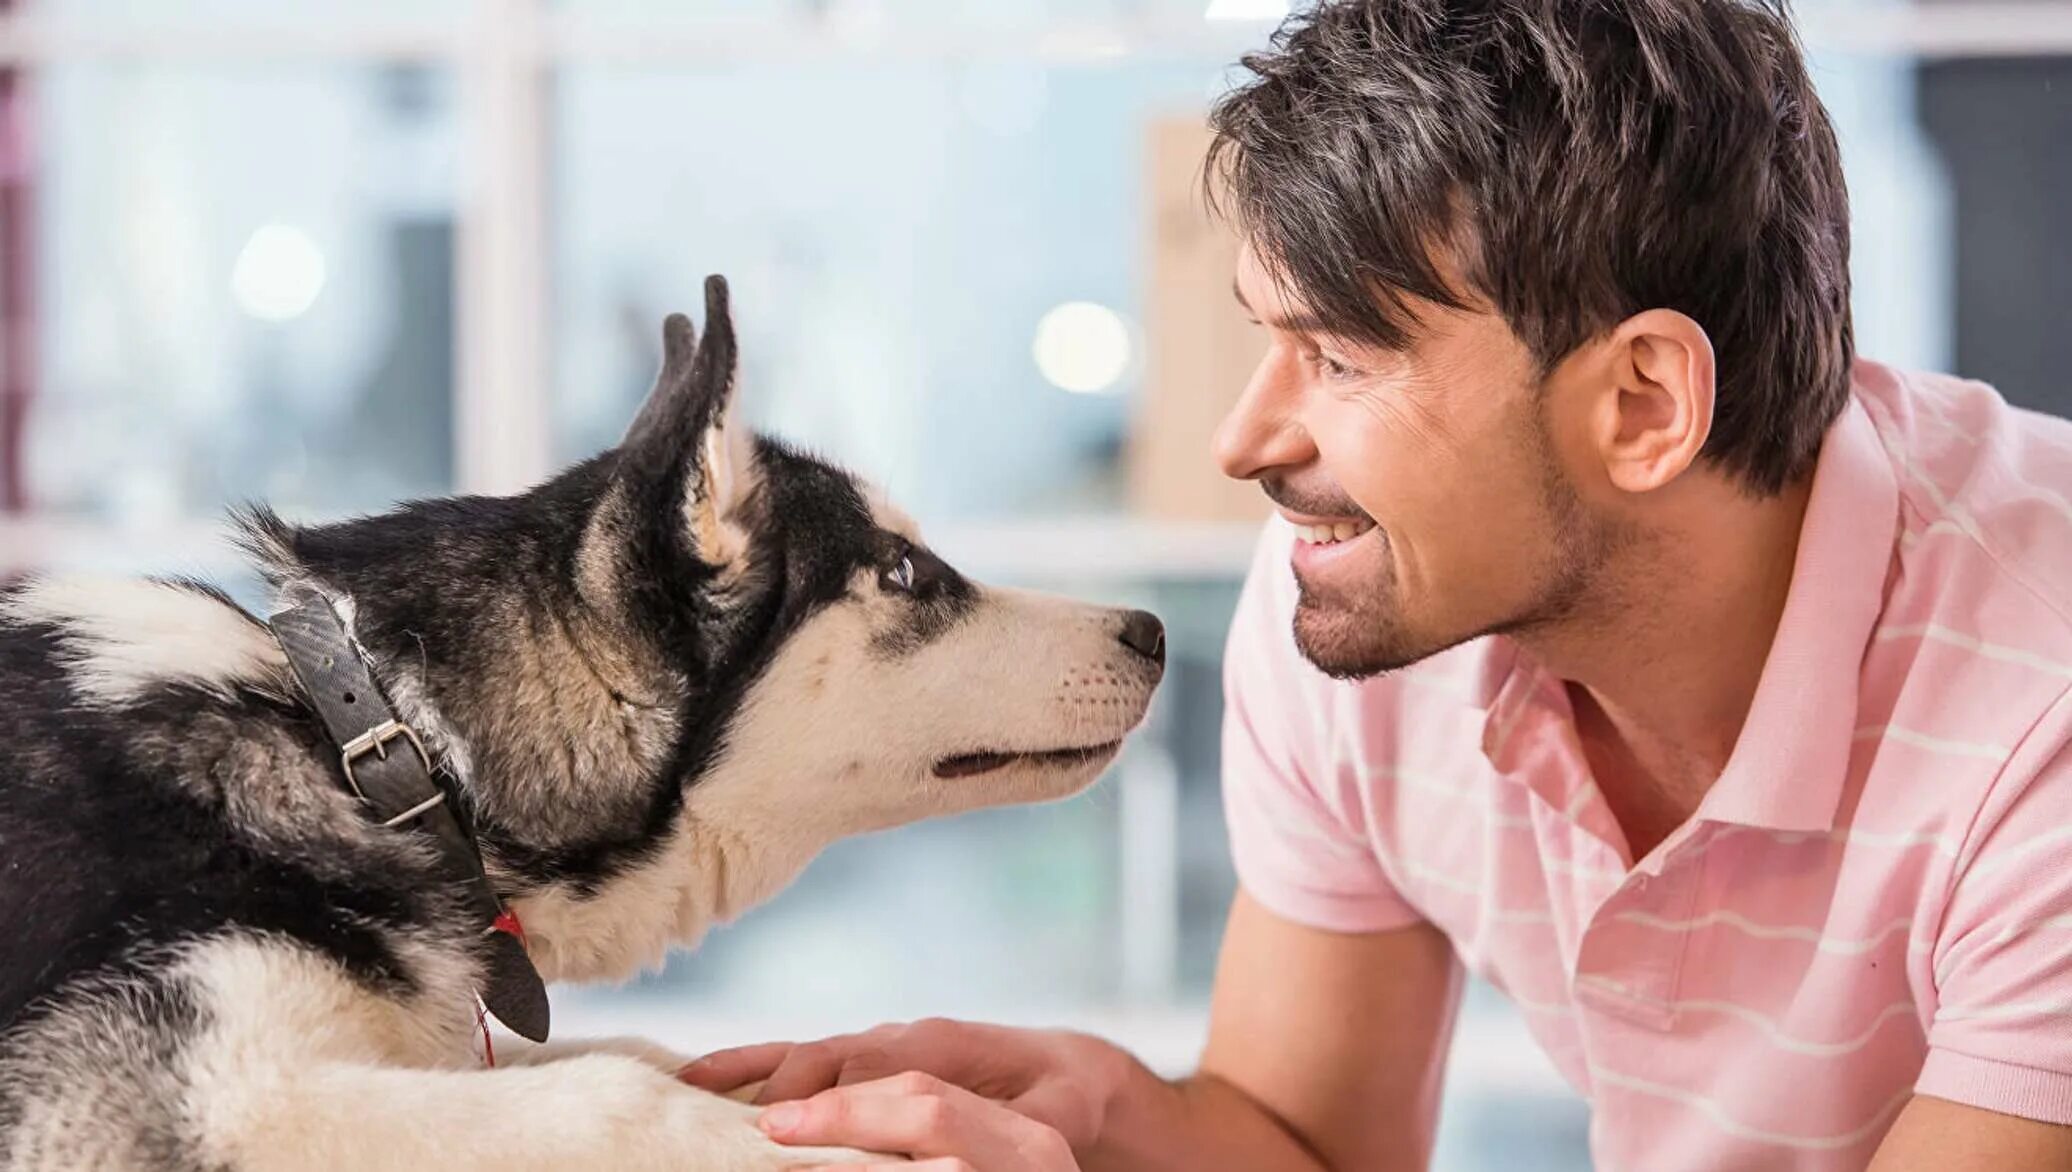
pixel 1200 1124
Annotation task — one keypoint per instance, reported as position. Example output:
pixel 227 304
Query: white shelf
pixel 2007 28
pixel 1066 549
pixel 38 39
pixel 574 40
pixel 1038 551
pixel 1952 28
pixel 196 547
pixel 1995 28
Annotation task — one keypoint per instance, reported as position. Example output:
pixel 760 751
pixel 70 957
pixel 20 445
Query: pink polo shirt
pixel 1873 901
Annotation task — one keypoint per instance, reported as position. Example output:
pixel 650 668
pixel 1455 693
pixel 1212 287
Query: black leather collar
pixel 385 765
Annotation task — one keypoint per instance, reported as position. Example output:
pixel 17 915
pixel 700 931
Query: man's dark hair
pixel 1580 161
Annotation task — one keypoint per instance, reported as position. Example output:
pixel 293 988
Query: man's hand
pixel 943 1127
pixel 1326 1051
pixel 1063 1082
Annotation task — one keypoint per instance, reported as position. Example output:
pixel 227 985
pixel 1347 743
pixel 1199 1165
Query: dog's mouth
pixel 975 764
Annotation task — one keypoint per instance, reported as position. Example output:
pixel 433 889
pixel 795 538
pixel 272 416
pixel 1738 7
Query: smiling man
pixel 1625 640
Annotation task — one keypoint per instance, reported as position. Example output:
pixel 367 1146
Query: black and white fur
pixel 661 682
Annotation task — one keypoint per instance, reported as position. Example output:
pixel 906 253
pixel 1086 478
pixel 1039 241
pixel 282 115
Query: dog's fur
pixel 660 682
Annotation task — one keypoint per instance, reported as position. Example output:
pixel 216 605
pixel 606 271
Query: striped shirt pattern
pixel 1874 900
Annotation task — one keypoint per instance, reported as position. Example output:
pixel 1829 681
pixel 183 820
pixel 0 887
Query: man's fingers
pixel 946 1164
pixel 946 1049
pixel 975 1057
pixel 726 1070
pixel 921 1116
pixel 818 1066
pixel 744 1093
pixel 914 1118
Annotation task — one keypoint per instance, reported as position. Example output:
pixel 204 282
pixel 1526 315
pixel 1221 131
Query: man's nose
pixel 1263 431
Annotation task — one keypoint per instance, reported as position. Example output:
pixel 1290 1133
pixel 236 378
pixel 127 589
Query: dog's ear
pixel 686 444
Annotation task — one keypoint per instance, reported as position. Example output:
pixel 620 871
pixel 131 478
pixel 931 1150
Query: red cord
pixel 482 1023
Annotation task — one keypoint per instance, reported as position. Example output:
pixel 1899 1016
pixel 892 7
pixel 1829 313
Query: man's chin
pixel 1353 647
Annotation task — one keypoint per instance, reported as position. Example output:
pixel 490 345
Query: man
pixel 1625 642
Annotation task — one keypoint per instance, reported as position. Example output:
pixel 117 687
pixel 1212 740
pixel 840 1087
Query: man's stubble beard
pixel 1367 635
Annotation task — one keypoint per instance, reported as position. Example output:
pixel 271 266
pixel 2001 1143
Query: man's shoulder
pixel 1985 526
pixel 1972 655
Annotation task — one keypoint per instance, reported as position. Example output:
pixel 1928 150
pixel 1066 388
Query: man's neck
pixel 1663 672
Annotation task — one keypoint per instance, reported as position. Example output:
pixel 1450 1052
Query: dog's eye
pixel 900 577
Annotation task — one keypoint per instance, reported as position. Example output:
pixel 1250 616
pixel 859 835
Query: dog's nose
pixel 1145 635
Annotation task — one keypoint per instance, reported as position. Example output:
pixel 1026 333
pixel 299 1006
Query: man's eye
pixel 1333 369
pixel 900 577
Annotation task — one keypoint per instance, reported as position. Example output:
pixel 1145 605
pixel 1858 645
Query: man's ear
pixel 1652 419
pixel 686 454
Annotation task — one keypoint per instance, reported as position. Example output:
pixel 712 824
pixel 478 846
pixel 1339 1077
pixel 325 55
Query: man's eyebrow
pixel 1301 323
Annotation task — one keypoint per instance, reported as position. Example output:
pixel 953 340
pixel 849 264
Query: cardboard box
pixel 1199 349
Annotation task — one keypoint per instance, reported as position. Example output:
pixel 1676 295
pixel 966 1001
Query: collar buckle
pixel 375 740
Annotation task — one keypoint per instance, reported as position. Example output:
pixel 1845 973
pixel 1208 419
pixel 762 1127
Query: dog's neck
pixel 720 855
pixel 709 870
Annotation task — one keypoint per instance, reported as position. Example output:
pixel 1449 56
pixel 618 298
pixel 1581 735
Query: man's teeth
pixel 1332 533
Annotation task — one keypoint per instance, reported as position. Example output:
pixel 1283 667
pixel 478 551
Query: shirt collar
pixel 1787 768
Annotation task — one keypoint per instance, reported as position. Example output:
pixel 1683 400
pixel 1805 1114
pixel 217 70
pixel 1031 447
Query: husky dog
pixel 655 686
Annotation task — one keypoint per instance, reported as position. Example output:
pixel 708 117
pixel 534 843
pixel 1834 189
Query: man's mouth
pixel 974 764
pixel 1331 532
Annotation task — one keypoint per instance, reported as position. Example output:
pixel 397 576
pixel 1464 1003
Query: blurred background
pixel 336 254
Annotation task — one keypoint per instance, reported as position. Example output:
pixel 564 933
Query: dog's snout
pixel 1145 635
